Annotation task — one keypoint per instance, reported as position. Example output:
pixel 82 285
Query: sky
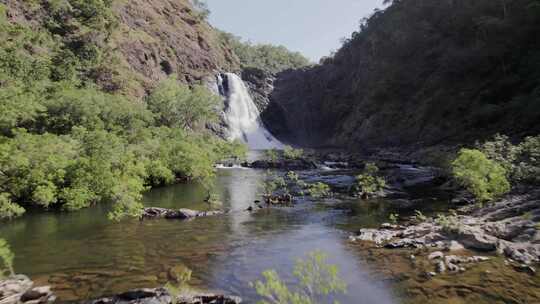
pixel 312 27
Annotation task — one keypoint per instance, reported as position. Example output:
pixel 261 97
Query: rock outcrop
pixel 180 214
pixel 162 296
pixel 19 289
pixel 507 227
pixel 417 85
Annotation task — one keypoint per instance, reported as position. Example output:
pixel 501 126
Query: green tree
pixel 484 178
pixel 176 105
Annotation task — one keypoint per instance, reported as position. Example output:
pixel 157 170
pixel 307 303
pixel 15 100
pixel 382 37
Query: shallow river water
pixel 83 255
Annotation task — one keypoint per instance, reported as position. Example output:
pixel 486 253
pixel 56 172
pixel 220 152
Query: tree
pixel 176 105
pixel 484 178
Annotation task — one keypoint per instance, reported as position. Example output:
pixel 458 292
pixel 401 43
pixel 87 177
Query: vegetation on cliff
pixel 421 72
pixel 66 143
pixel 266 57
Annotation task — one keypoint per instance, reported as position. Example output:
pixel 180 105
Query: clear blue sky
pixel 312 27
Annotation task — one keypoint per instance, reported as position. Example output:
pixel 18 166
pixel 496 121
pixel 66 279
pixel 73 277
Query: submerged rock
pixel 181 214
pixel 20 289
pixel 162 296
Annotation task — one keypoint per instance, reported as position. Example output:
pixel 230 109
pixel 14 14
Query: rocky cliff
pixel 149 40
pixel 419 72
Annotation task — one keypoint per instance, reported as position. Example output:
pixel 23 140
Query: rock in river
pixel 18 289
pixel 180 214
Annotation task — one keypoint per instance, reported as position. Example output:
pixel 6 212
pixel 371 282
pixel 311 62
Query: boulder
pixel 19 289
pixel 475 238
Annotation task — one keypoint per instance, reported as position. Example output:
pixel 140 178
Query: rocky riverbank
pixel 163 296
pixel 19 289
pixel 507 227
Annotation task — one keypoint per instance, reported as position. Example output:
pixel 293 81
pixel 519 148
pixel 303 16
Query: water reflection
pixel 83 255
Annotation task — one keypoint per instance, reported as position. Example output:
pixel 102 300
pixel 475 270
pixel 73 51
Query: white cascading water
pixel 243 117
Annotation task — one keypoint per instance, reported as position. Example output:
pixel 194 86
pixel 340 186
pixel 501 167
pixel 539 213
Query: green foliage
pixel 292 153
pixel 271 155
pixel 419 217
pixel 293 176
pixel 319 190
pixel 8 209
pixel 68 107
pixel 484 178
pixel 274 183
pixel 180 285
pixel 6 259
pixel 266 57
pixel 448 223
pixel 368 182
pixel 176 105
pixel 65 144
pixel 521 161
pixel 394 218
pixel 19 106
pixel 317 281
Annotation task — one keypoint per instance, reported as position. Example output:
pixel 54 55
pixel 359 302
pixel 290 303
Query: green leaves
pixel 317 280
pixel 269 58
pixel 176 105
pixel 368 182
pixel 319 190
pixel 484 178
pixel 6 259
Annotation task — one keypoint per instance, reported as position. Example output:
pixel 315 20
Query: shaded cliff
pixel 419 72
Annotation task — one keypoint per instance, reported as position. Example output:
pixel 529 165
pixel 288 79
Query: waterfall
pixel 243 117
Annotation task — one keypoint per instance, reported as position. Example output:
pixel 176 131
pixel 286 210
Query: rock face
pixel 162 296
pixel 153 40
pixel 507 227
pixel 166 37
pixel 180 214
pixel 415 86
pixel 20 289
pixel 260 84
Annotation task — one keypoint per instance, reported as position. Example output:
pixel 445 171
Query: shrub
pixel 521 161
pixel 368 182
pixel 394 218
pixel 8 209
pixel 448 223
pixel 6 259
pixel 319 190
pixel 419 217
pixel 270 58
pixel 293 176
pixel 484 178
pixel 271 155
pixel 292 153
pixel 317 281
pixel 180 285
